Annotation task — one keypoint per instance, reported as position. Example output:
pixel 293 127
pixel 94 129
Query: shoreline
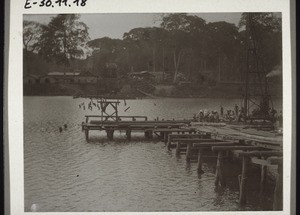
pixel 156 97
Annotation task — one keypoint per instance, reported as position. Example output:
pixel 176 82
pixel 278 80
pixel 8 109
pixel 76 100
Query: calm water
pixel 65 173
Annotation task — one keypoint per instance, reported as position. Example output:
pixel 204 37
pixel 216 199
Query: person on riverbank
pixel 236 108
pixel 201 116
pixel 221 110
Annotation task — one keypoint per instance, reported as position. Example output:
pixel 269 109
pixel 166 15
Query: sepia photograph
pixel 153 112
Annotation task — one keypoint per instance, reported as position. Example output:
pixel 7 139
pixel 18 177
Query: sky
pixel 115 25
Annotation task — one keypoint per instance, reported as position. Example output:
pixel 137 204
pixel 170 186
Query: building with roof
pixel 85 77
pixel 60 77
pixel 31 79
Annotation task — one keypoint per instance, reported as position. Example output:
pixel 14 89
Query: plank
pixel 194 140
pixel 261 162
pixel 259 153
pixel 226 148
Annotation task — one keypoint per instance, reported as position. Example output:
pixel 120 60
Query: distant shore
pixel 134 93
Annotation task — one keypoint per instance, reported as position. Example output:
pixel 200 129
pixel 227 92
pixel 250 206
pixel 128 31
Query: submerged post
pixel 199 168
pixel 219 178
pixel 110 134
pixel 150 134
pixel 278 192
pixel 263 177
pixel 188 152
pixel 82 126
pixel 178 148
pixel 166 134
pixel 169 143
pixel 243 180
pixel 128 134
pixel 87 134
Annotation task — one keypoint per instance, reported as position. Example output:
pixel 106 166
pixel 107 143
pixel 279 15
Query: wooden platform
pixel 250 151
pixel 121 123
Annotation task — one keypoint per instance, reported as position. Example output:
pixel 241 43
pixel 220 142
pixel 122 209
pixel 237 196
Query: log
pixel 211 144
pixel 193 140
pixel 226 148
pixel 260 153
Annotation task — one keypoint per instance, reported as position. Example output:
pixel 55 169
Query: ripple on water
pixel 65 173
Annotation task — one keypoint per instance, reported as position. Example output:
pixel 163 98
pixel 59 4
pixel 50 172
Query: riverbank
pixel 133 92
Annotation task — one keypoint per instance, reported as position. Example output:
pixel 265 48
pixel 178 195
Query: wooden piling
pixel 166 134
pixel 161 134
pixel 110 134
pixel 82 126
pixel 128 134
pixel 219 177
pixel 243 180
pixel 199 168
pixel 169 142
pixel 263 173
pixel 150 134
pixel 87 135
pixel 278 192
pixel 178 148
pixel 188 152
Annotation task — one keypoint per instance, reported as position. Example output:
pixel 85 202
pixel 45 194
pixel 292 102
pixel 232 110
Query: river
pixel 62 172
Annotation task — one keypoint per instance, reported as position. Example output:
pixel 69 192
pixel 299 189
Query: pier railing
pixel 116 118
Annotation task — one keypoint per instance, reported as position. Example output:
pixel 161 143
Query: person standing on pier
pixel 236 108
pixel 222 110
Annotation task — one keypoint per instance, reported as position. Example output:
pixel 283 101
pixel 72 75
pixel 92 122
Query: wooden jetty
pixel 195 139
pixel 146 126
pixel 250 151
pixel 110 121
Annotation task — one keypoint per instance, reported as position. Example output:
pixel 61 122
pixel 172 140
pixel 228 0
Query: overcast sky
pixel 115 25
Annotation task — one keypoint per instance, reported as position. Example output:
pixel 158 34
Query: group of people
pixel 215 116
pixel 235 114
pixel 207 116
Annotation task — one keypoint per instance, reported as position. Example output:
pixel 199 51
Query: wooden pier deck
pixel 121 123
pixel 193 140
pixel 256 151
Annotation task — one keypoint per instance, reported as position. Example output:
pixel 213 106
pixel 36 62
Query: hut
pixel 31 79
pixel 85 77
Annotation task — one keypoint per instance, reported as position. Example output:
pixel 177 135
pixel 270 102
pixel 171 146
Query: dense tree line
pixel 183 45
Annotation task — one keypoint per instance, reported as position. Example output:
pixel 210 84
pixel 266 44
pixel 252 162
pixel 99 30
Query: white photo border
pixel 15 78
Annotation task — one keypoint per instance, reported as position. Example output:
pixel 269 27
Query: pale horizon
pixel 115 25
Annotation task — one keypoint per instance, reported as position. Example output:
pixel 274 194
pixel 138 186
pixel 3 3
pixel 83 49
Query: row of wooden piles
pixel 194 146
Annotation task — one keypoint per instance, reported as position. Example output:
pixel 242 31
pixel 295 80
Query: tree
pixel 31 33
pixel 107 51
pixel 185 31
pixel 64 39
pixel 268 32
pixel 224 43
